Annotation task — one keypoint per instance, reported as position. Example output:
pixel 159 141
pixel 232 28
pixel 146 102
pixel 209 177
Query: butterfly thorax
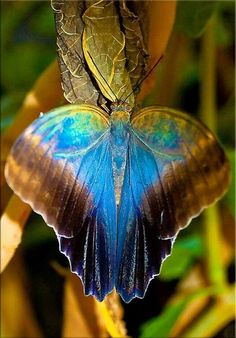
pixel 119 130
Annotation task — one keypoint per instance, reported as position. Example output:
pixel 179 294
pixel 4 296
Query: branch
pixel 12 224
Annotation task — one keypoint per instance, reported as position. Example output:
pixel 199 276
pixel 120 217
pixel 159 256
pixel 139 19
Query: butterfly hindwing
pixel 175 168
pixel 140 250
pixel 61 165
pixel 98 233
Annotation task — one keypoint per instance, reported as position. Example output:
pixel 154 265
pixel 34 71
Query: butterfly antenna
pixel 144 78
pixel 102 77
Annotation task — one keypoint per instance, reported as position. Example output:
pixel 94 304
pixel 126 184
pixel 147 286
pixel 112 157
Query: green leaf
pixel 184 252
pixel 22 64
pixel 43 23
pixel 224 36
pixel 192 16
pixel 230 196
pixel 14 15
pixel 37 232
pixel 10 103
pixel 162 325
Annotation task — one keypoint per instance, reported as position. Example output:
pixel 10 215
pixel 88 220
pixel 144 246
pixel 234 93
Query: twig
pixel 12 223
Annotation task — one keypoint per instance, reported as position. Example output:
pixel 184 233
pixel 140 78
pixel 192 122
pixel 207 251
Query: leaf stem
pixel 215 268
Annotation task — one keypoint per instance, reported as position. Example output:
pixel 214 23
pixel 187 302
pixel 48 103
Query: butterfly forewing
pixel 193 169
pixel 61 165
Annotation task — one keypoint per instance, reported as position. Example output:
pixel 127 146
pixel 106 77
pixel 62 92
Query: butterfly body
pixel 117 189
pixel 119 138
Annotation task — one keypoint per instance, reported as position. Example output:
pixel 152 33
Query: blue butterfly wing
pixel 61 165
pixel 140 250
pixel 174 169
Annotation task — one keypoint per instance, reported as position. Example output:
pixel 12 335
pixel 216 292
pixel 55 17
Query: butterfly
pixel 117 188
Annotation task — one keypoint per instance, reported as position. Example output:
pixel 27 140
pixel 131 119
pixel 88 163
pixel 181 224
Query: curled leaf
pixel 104 50
pixel 76 82
pixel 135 47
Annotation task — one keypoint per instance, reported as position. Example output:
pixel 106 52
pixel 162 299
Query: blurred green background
pixel 27 48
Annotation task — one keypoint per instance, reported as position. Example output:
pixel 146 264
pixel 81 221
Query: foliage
pixel 185 252
pixel 192 16
pixel 28 46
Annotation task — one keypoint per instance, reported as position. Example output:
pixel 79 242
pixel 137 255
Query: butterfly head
pixel 120 112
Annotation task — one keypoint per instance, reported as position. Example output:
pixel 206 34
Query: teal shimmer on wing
pixel 161 132
pixel 78 131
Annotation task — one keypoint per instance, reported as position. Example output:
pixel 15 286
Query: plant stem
pixel 215 268
pixel 216 318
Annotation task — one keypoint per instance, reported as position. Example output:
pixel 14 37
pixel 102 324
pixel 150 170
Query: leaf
pixel 135 46
pixel 10 103
pixel 37 232
pixel 192 16
pixel 14 14
pixel 158 25
pixel 43 24
pixel 19 318
pixel 76 82
pixel 104 50
pixel 217 316
pixel 80 318
pixel 12 223
pixel 95 319
pixel 230 195
pixel 184 252
pixel 23 62
pixel 162 325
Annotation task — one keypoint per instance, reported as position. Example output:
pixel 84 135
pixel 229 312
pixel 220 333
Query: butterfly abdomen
pixel 119 132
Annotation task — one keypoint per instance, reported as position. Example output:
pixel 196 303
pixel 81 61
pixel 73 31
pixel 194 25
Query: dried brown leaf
pixel 80 316
pixel 135 46
pixel 12 224
pixel 17 315
pixel 112 302
pixel 104 50
pixel 161 19
pixel 76 81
